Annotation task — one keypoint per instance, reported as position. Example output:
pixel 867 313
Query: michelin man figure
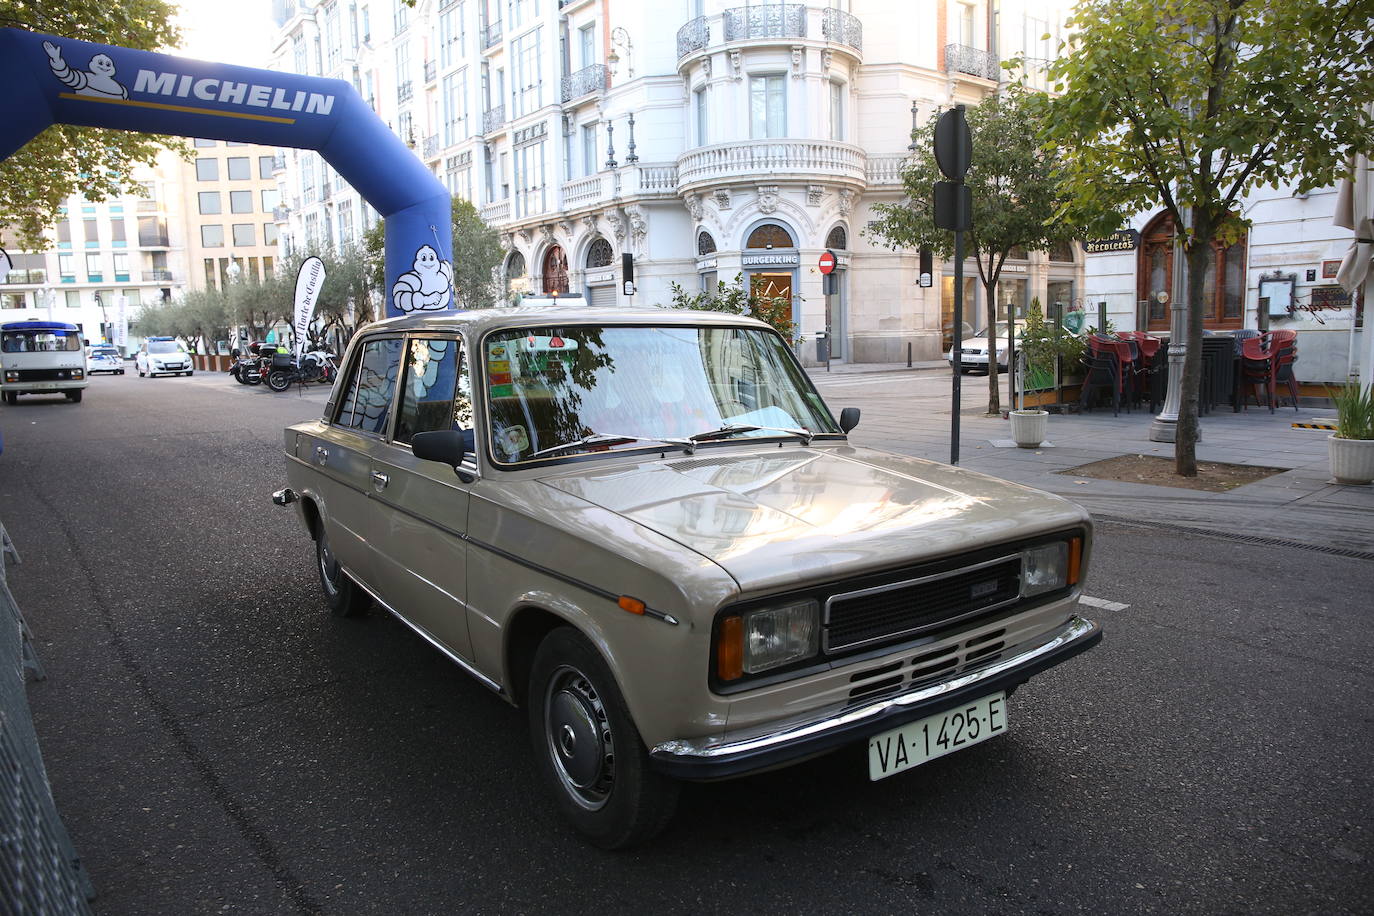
pixel 98 81
pixel 427 286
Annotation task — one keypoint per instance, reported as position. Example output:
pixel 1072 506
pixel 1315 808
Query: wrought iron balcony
pixel 431 71
pixel 493 118
pixel 974 62
pixel 491 35
pixel 278 164
pixel 771 21
pixel 694 36
pixel 586 81
pixel 280 214
pixel 405 91
pixel 842 28
pixel 432 146
pixel 157 276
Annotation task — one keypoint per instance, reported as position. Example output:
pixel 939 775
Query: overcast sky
pixel 236 32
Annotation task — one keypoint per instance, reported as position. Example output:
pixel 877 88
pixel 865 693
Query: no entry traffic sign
pixel 827 261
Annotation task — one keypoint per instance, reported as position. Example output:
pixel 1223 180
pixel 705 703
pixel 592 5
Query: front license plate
pixel 937 735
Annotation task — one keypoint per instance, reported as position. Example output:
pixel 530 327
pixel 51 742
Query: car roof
pixel 479 321
pixel 32 325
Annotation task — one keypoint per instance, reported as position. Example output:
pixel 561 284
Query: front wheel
pixel 75 396
pixel 588 749
pixel 342 595
pixel 278 380
pixel 11 398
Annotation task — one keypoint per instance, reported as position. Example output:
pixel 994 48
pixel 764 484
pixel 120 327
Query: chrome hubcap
pixel 579 738
pixel 329 569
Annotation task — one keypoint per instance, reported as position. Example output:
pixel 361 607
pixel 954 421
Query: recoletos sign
pixel 1122 240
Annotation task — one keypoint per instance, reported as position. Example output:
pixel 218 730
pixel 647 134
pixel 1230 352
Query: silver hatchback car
pixel 646 528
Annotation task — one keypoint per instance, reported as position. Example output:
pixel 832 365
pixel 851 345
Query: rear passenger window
pixel 436 393
pixel 367 403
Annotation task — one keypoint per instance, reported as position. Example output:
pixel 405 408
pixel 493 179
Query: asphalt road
pixel 218 743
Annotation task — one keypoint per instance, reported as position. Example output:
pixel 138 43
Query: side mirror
pixel 442 445
pixel 849 418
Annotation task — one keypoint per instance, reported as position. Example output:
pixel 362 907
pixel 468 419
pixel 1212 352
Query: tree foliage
pixel 477 254
pixel 64 159
pixel 1015 195
pixel 774 310
pixel 200 317
pixel 1191 104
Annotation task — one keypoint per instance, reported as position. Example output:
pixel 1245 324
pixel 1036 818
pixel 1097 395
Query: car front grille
pixel 45 375
pixel 909 608
pixel 925 667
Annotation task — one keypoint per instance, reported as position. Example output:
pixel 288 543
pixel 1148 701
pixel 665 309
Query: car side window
pixel 437 391
pixel 366 405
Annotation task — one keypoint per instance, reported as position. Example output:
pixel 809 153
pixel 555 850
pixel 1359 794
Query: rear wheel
pixel 75 396
pixel 278 380
pixel 341 594
pixel 11 397
pixel 588 749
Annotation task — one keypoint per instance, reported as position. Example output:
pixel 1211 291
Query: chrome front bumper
pixel 738 753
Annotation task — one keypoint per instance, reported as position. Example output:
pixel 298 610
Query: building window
pixel 269 233
pixel 271 199
pixel 586 45
pixel 240 201
pixel 333 36
pixel 769 235
pixel 767 106
pixel 836 111
pixel 555 271
pixel 121 266
pixel 515 267
pixel 207 170
pixel 73 299
pixel 589 151
pixel 94 271
pixel 209 202
pixel 1223 303
pixel 966 25
pixel 700 98
pixel 1062 251
pixel 240 168
pixel 117 237
pixel 91 230
pixel 525 50
pixel 266 166
pixel 705 243
pixel 600 254
pixel 66 267
pixel 529 179
pixel 200 142
pixel 454 100
pixel 838 239
pixel 244 236
pixel 212 236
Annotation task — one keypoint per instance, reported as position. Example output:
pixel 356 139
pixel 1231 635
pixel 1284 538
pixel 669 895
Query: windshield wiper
pixel 608 440
pixel 724 432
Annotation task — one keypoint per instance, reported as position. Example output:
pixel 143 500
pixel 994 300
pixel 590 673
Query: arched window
pixel 1062 251
pixel 1017 253
pixel 705 244
pixel 599 254
pixel 1223 283
pixel 770 235
pixel 555 271
pixel 838 239
pixel 515 265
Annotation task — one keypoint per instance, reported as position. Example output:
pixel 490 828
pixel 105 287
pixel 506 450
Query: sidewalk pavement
pixel 908 411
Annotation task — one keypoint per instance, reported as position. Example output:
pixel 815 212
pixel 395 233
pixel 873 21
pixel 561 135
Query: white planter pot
pixel 1352 460
pixel 1028 427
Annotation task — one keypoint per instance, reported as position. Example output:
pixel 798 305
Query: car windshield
pixel 40 340
pixel 163 346
pixel 104 351
pixel 593 387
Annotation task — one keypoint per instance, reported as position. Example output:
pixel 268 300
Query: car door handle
pixel 321 454
pixel 380 480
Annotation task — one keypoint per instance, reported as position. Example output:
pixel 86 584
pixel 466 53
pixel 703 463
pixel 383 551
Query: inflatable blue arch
pixel 55 80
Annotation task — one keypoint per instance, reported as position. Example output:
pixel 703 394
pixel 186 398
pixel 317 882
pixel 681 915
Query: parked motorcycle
pixel 315 366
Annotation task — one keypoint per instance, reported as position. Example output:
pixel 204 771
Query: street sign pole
pixel 954 211
pixel 958 342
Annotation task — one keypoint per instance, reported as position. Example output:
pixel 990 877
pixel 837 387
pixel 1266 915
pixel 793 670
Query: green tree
pixel 1015 194
pixel 65 160
pixel 1194 103
pixel 776 311
pixel 477 254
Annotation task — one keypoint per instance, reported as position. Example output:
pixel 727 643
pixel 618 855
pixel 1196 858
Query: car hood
pixel 771 516
pixel 177 357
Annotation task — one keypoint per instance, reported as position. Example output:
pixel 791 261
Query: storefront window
pixel 1011 299
pixel 1223 302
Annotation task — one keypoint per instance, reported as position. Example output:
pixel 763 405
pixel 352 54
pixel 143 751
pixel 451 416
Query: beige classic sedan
pixel 646 528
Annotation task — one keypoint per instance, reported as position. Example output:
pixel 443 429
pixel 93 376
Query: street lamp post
pixel 1164 428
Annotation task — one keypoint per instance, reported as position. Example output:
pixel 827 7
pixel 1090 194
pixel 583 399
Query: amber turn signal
pixel 730 649
pixel 1075 559
pixel 633 605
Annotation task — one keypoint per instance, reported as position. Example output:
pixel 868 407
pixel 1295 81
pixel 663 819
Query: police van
pixel 41 357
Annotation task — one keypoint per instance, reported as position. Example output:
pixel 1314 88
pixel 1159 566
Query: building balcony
pixel 405 91
pixel 582 192
pixel 157 276
pixel 493 118
pixel 431 72
pixel 694 36
pixel 842 28
pixel 280 214
pixel 278 164
pixel 823 27
pixel 153 241
pixel 771 161
pixel 587 81
pixel 972 62
pixel 431 147
pixel 491 35
pixel 20 277
pixel 884 170
pixel 785 20
pixel 496 212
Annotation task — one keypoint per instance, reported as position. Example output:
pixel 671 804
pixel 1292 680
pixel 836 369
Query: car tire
pixel 278 380
pixel 75 396
pixel 588 749
pixel 119 372
pixel 141 373
pixel 191 373
pixel 342 595
pixel 11 398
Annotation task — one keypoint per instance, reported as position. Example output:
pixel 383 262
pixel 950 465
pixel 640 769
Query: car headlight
pixel 11 375
pixel 78 373
pixel 767 638
pixel 1050 567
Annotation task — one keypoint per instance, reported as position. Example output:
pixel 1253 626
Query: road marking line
pixel 1102 603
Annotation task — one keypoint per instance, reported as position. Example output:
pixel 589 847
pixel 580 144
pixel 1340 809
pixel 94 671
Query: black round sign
pixel 953 144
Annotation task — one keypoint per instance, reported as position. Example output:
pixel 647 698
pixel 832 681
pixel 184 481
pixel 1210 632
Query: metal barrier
pixel 40 872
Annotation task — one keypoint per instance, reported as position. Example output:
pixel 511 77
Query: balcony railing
pixel 584 82
pixel 431 71
pixel 771 158
pixel 974 62
pixel 431 147
pixel 278 164
pixel 842 28
pixel 491 35
pixel 658 179
pixel 405 91
pixel 496 212
pixel 493 118
pixel 884 169
pixel 694 36
pixel 153 241
pixel 772 21
pixel 582 191
pixel 32 275
pixel 280 214
pixel 157 276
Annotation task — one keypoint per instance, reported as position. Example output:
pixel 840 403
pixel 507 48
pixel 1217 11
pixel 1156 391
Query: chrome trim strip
pixel 425 635
pixel 775 735
pixel 878 589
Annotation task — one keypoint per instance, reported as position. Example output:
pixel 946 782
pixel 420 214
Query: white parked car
pixel 973 350
pixel 162 356
pixel 104 358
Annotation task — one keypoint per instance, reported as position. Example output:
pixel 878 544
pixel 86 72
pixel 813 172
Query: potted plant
pixel 1042 344
pixel 1351 447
